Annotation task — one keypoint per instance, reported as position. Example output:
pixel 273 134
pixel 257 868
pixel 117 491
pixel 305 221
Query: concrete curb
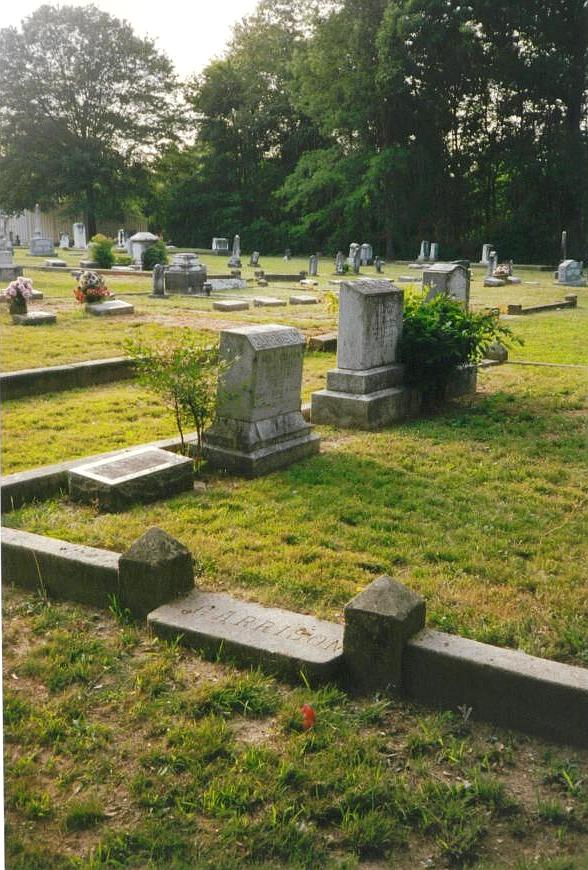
pixel 53 379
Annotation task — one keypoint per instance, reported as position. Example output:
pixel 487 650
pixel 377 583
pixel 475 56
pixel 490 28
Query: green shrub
pixel 123 260
pixel 102 252
pixel 439 335
pixel 154 254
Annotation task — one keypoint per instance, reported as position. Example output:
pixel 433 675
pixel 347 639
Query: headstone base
pixel 34 318
pixel 303 299
pixel 363 411
pixel 268 302
pixel 109 308
pixel 10 273
pixel 494 282
pixel 41 248
pixel 265 459
pixel 230 305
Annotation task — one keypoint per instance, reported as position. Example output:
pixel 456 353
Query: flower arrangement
pixel 503 271
pixel 91 288
pixel 20 287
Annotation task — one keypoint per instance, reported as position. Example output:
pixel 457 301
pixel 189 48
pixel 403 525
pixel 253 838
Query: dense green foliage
pixel 154 254
pixel 101 251
pixel 439 335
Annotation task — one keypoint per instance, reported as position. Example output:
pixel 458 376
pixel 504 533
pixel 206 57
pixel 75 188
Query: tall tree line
pixel 390 121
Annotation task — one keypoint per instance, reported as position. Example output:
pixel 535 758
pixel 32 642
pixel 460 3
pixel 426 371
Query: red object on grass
pixel 308 716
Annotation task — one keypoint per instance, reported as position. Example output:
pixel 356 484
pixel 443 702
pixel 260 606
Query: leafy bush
pixel 102 253
pixel 123 260
pixel 154 254
pixel 185 373
pixel 439 335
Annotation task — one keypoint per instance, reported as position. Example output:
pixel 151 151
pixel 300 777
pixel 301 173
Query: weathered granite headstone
pixel 424 252
pixel 186 274
pixel 340 263
pixel 64 242
pixel 79 235
pixel 357 261
pixel 486 248
pixel 220 246
pixel 159 281
pixel 378 623
pixel 564 246
pixel 40 246
pixel 153 571
pixel 449 278
pixel 259 426
pixel 570 273
pixel 354 250
pixel 142 475
pixel 434 252
pixel 378 264
pixel 235 261
pixel 362 392
pixel 366 255
pixel 313 265
pixel 138 244
pixel 254 259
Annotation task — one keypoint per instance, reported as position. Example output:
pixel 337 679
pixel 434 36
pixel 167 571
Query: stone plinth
pixel 230 305
pixel 156 569
pixel 259 426
pixel 378 623
pixel 141 475
pixel 109 308
pixel 364 390
pixel 34 318
pixel 303 299
pixel 185 275
pixel 268 302
pixel 451 279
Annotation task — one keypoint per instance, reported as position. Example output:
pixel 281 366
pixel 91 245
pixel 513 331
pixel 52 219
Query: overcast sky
pixel 190 32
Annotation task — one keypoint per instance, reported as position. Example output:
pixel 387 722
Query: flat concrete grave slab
pixel 277 640
pixel 141 475
pixel 268 302
pixel 230 305
pixel 34 318
pixel 326 342
pixel 110 308
pixel 56 264
pixel 303 299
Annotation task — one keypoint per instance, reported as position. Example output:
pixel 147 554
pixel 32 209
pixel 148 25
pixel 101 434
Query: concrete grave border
pixel 503 686
pixel 53 379
pixel 570 300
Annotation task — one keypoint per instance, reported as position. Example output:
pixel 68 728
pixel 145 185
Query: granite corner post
pixel 378 623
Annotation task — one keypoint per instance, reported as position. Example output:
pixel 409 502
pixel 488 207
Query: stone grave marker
pixel 235 260
pixel 64 241
pixel 449 278
pixel 186 275
pixel 155 569
pixel 158 281
pixel 220 246
pixel 254 259
pixel 138 244
pixel 434 252
pixel 366 254
pixel 259 426
pixel 313 265
pixel 570 273
pixel 39 245
pixel 142 475
pixel 268 302
pixel 79 236
pixel 424 252
pixel 109 308
pixel 34 318
pixel 378 264
pixel 303 299
pixel 486 248
pixel 230 305
pixel 363 391
pixel 340 263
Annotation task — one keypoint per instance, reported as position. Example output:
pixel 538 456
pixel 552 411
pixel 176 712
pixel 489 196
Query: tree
pixel 84 105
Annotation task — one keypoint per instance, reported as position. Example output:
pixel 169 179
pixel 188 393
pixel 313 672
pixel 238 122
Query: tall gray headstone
pixel 486 248
pixel 313 265
pixel 159 280
pixel 79 235
pixel 366 254
pixel 340 263
pixel 357 261
pixel 434 252
pixel 362 392
pixel 220 246
pixel 138 245
pixel 235 261
pixel 259 425
pixel 354 249
pixel 424 252
pixel 378 264
pixel 64 241
pixel 254 259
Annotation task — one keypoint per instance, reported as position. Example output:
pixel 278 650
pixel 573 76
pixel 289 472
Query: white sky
pixel 190 33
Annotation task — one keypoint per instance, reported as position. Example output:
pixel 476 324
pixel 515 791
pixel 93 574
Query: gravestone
pixel 79 236
pixel 154 570
pixel 142 475
pixel 220 246
pixel 564 246
pixel 378 265
pixel 186 274
pixel 357 261
pixel 366 255
pixel 340 263
pixel 159 282
pixel 449 278
pixel 34 318
pixel 109 308
pixel 8 270
pixel 434 252
pixel 40 246
pixel 254 259
pixel 235 261
pixel 313 265
pixel 303 299
pixel 354 249
pixel 259 426
pixel 138 244
pixel 268 302
pixel 570 273
pixel 121 240
pixel 64 242
pixel 424 251
pixel 230 305
pixel 485 259
pixel 54 263
pixel 363 391
pixel 227 283
pixel 287 255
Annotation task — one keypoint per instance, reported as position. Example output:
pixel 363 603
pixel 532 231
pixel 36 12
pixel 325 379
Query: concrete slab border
pixel 53 379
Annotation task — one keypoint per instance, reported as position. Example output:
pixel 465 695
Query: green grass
pixel 166 760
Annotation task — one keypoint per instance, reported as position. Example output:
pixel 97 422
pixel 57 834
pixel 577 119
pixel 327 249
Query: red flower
pixel 308 716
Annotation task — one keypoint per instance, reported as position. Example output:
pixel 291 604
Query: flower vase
pixel 18 305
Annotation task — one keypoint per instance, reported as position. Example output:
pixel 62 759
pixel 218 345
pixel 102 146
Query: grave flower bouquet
pixel 91 288
pixel 19 288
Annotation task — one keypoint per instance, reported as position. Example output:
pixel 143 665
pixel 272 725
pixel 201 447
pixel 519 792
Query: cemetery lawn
pixel 125 751
pixel 482 509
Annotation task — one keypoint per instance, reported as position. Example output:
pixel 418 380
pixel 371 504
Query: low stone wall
pixel 569 301
pixel 35 382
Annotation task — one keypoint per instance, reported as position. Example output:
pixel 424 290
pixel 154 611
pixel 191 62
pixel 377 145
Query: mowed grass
pixel 481 509
pixel 122 751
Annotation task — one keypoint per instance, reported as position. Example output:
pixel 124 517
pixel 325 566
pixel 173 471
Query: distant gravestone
pixel 121 240
pixel 340 263
pixel 303 299
pixel 159 281
pixel 109 308
pixel 268 302
pixel 230 305
pixel 138 244
pixel 564 246
pixel 354 250
pixel 79 236
pixel 34 318
pixel 64 242
pixel 366 255
pixel 259 425
pixel 39 245
pixel 313 265
pixel 235 261
pixel 287 255
pixel 362 391
pixel 357 261
pixel 254 259
pixel 186 274
pixel 486 248
pixel 452 279
pixel 142 475
pixel 570 273
pixel 378 264
pixel 434 252
pixel 220 246
pixel 424 252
